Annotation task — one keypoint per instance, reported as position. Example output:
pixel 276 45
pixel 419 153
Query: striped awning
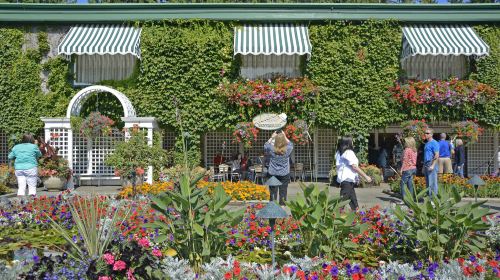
pixel 267 39
pixel 426 39
pixel 101 39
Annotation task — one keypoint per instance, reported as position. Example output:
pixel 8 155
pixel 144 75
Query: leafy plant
pixel 96 221
pixel 94 125
pixel 324 227
pixel 246 133
pixel 198 221
pixel 439 228
pixel 134 155
pixel 50 163
pixel 468 130
pixel 415 129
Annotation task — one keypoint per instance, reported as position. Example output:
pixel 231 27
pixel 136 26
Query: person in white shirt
pixel 348 170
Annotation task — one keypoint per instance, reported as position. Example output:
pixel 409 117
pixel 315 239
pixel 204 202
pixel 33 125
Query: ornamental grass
pixel 240 191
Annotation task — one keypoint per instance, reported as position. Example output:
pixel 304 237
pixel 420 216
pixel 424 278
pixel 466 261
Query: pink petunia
pixel 104 278
pixel 119 265
pixel 143 242
pixel 109 258
pixel 156 253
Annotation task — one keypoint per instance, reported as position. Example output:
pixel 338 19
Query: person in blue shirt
pixel 445 152
pixel 431 156
pixel 25 156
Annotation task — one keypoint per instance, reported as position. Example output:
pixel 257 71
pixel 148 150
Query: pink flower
pixel 143 242
pixel 130 274
pixel 104 278
pixel 119 265
pixel 156 253
pixel 109 258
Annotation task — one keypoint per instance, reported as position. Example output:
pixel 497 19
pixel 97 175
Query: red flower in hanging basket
pixel 245 132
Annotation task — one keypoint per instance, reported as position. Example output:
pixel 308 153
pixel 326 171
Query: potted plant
pixel 94 125
pixel 415 129
pixel 246 133
pixel 52 168
pixel 132 157
pixel 469 131
pixel 297 132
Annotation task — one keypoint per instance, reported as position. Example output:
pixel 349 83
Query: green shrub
pixel 439 228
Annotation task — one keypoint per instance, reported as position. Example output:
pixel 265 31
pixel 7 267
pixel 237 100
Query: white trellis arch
pixel 76 103
pixel 85 158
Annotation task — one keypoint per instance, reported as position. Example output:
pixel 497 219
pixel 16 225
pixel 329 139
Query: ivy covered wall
pixel 182 63
pixel 22 101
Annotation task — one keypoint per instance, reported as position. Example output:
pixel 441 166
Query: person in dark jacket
pixel 459 157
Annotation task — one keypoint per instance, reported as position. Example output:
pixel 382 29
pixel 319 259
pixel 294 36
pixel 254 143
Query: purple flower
pixel 334 271
pixel 36 259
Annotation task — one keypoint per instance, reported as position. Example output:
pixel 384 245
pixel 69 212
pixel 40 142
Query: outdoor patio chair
pixel 310 173
pixel 224 171
pixel 259 174
pixel 298 171
pixel 213 177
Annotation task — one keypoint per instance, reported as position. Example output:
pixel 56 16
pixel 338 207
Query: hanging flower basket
pixel 262 93
pixel 246 133
pixel 296 134
pixel 415 129
pixel 450 93
pixel 95 125
pixel 469 131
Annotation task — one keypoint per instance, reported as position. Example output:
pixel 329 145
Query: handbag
pixel 334 182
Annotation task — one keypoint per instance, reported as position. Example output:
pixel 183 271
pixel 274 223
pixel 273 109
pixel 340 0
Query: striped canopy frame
pixel 426 39
pixel 272 39
pixel 101 39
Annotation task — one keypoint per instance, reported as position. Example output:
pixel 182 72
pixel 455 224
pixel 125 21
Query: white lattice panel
pixel 4 147
pixel 168 139
pixel 80 159
pixel 481 154
pixel 58 138
pixel 326 141
pixel 214 145
pixel 101 148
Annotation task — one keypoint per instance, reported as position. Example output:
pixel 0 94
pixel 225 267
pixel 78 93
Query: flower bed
pixel 147 189
pixel 241 190
pixel 491 189
pixel 385 247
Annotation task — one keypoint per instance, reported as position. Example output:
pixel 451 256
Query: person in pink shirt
pixel 409 166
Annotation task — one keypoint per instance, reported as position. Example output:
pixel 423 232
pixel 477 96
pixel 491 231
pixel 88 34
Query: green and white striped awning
pixel 267 39
pixel 101 39
pixel 426 39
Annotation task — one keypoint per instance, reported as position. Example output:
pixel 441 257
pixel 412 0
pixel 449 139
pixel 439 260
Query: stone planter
pixel 54 183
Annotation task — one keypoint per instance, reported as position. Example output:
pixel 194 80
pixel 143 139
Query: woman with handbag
pixel 348 170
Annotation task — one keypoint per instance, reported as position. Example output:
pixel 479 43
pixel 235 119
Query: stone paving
pixel 367 197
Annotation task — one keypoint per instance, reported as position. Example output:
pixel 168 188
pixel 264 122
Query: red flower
pixel 228 275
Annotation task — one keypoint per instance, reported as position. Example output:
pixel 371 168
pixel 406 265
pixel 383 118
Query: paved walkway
pixel 367 197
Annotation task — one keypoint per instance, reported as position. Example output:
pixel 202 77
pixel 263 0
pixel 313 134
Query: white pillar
pixel 148 123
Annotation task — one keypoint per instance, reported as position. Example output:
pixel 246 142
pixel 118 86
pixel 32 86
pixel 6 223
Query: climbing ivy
pixel 354 64
pixel 180 70
pixel 181 66
pixel 488 72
